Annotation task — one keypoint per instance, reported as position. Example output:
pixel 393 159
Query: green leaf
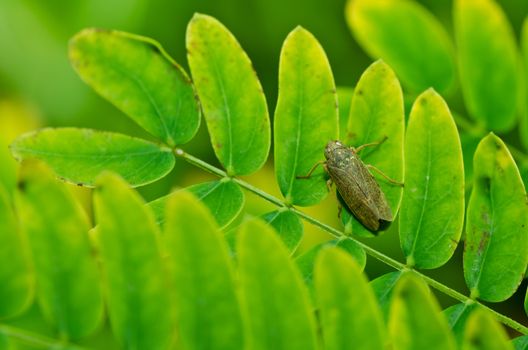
pixel 521 343
pixel 137 292
pixel 203 284
pixel 488 62
pixel 5 342
pixel 457 316
pixel 136 75
pixel 415 320
pixel 79 155
pixel 344 97
pixel 383 287
pixel 306 117
pixel 306 261
pixel 349 317
pixel 376 113
pixel 523 126
pixel 232 99
pixel 224 198
pixel 16 276
pixel 484 333
pixel 420 51
pixel 496 245
pixel 432 210
pixel 288 225
pixel 68 289
pixel 273 293
pixel 526 302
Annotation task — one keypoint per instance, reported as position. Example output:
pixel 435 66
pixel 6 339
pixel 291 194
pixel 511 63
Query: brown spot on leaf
pixel 483 242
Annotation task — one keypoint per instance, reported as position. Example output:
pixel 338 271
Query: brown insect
pixel 356 185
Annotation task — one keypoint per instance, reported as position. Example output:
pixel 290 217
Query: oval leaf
pixel 68 288
pixel 306 261
pixel 16 276
pixel 272 292
pixel 306 117
pixel 523 125
pixel 383 287
pixel 136 75
pixel 376 114
pixel 344 97
pixel 415 320
pixel 202 277
pixel 496 245
pixel 432 210
pixel 488 63
pixel 420 51
pixel 457 316
pixel 232 99
pixel 79 155
pixel 288 225
pixel 127 238
pixel 224 198
pixel 350 317
pixel 484 333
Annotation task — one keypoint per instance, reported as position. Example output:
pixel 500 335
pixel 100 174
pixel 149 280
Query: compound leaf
pixel 202 277
pixel 224 198
pixel 376 114
pixel 79 155
pixel 68 289
pixel 273 293
pixel 415 320
pixel 350 317
pixel 232 99
pixel 136 75
pixel 496 245
pixel 420 51
pixel 127 239
pixel 488 62
pixel 432 210
pixel 306 117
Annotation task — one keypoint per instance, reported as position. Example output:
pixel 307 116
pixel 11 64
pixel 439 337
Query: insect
pixel 356 185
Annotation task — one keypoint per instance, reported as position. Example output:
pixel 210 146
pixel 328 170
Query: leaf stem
pixel 36 339
pixel 339 234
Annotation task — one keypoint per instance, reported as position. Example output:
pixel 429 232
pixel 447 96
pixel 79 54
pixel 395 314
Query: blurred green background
pixel 38 87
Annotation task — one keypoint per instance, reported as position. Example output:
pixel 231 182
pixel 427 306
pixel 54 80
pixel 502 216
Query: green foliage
pixel 274 297
pixel 350 317
pixel 432 212
pixel 232 99
pixel 484 333
pixel 68 289
pixel 415 320
pixel 520 343
pixel 182 287
pixel 497 220
pixel 224 198
pixel 16 287
pixel 376 114
pixel 127 240
pixel 125 69
pixel 208 313
pixel 420 51
pixel 79 155
pixel 488 63
pixel 306 117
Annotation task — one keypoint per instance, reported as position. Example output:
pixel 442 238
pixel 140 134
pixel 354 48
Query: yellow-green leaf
pixel 136 75
pixel 432 210
pixel 306 117
pixel 496 245
pixel 484 333
pixel 232 99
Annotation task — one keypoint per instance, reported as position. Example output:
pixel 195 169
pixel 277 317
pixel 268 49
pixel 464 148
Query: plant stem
pixel 339 234
pixel 36 339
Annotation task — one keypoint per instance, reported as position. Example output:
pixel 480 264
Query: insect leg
pixel 307 176
pixel 377 143
pixel 329 184
pixel 392 181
